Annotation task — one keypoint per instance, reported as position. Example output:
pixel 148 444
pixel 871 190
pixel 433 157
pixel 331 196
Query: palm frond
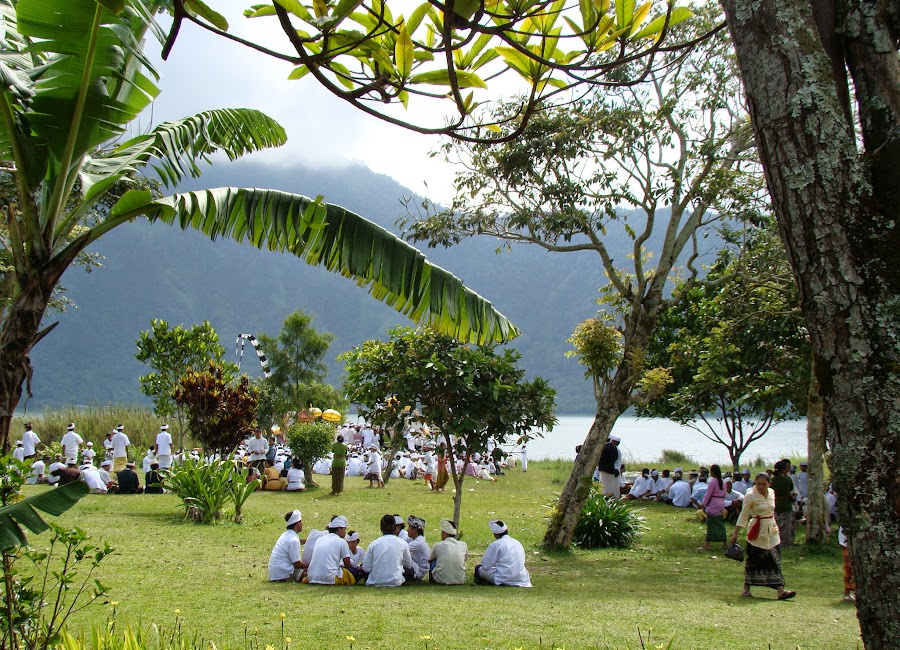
pixel 175 148
pixel 24 513
pixel 339 240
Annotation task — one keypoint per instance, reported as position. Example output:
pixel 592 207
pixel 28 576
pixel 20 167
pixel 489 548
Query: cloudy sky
pixel 206 71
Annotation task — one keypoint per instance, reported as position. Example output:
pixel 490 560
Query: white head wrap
pixel 338 522
pixel 352 538
pixel 164 427
pixel 615 439
pixel 294 518
pixel 398 520
pixel 71 427
pixel 447 527
pixel 498 527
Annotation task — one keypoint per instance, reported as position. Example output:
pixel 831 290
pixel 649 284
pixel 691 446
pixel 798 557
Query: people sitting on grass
pixel 127 480
pixel 330 561
pixel 661 485
pixel 271 477
pixel 743 483
pixel 91 477
pixel 679 492
pixel 296 478
pixel 284 562
pixel 733 502
pixel 388 562
pixel 642 486
pixel 503 562
pixel 357 554
pixel 153 480
pixel 418 547
pixel 448 557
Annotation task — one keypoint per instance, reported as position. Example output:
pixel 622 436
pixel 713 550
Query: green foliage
pixel 607 523
pixel 296 359
pixel 598 346
pixel 736 350
pixel 471 394
pixel 58 583
pixel 220 414
pixel 206 488
pixel 676 458
pixel 309 441
pixel 171 352
pixel 16 512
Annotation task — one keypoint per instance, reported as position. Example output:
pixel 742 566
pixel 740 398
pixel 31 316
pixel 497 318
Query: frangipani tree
pixel 472 394
pixel 444 55
pixel 73 77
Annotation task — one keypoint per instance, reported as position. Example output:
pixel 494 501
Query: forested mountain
pixel 154 271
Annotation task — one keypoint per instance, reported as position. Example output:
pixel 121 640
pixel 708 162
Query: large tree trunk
pixel 20 331
pixel 842 233
pixel 816 516
pixel 613 402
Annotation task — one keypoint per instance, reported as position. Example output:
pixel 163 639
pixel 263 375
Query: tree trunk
pixel 842 237
pixel 613 401
pixel 19 333
pixel 816 516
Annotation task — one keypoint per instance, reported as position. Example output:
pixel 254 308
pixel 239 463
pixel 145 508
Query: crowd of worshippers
pixel 688 489
pixel 335 555
pixel 109 471
pixel 267 458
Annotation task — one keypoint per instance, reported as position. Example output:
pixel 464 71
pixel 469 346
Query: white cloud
pixel 206 71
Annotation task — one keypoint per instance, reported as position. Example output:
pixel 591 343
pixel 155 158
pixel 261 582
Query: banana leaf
pixel 24 513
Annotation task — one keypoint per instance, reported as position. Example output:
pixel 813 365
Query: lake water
pixel 644 439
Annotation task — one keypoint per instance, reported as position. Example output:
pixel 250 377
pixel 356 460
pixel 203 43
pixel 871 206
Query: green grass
pixel 216 577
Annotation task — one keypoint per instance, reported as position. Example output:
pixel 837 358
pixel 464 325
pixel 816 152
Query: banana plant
pixel 73 76
pixel 24 513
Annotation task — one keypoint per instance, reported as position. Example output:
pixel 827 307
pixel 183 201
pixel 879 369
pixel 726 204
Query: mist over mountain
pixel 156 271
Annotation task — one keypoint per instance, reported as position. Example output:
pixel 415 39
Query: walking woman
pixel 783 487
pixel 714 507
pixel 763 564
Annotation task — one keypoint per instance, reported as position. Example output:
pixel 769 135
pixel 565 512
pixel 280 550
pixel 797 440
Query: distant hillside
pixel 154 271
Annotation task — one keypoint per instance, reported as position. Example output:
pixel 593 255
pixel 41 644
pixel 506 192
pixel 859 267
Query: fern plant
pixel 607 523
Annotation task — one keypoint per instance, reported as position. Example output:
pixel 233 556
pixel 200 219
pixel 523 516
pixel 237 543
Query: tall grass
pixel 674 457
pixel 93 422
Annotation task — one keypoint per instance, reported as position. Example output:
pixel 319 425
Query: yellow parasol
pixel 331 415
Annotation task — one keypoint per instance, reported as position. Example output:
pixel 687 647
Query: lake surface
pixel 644 438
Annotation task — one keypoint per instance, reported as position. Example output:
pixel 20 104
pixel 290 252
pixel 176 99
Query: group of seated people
pixel 333 556
pixel 100 480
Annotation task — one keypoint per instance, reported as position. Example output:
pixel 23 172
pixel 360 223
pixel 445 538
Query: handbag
pixel 735 552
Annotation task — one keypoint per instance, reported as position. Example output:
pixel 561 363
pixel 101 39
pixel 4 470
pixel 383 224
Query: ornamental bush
pixel 607 523
pixel 309 441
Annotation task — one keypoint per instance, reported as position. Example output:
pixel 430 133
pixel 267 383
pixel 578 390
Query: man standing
pixel 70 443
pixel 503 562
pixel 258 446
pixel 120 444
pixel 19 452
pixel 448 557
pixel 30 441
pixel 608 466
pixel 163 447
pixel 330 562
pixel 388 562
pixel 801 481
pixel 418 547
pixel 108 446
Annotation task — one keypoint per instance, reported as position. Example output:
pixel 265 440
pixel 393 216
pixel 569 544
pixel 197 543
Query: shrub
pixel 607 523
pixel 205 488
pixel 674 457
pixel 309 441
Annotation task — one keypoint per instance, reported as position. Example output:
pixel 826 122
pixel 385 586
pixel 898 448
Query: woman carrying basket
pixel 763 565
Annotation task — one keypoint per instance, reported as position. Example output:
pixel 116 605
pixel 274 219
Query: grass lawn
pixel 216 577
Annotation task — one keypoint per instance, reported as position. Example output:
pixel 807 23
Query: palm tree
pixel 73 76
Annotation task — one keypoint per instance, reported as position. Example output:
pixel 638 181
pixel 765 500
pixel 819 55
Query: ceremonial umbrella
pixel 331 415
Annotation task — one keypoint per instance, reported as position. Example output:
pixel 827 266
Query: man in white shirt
pixel 368 437
pixel 163 447
pixel 399 526
pixel 680 492
pixel 70 443
pixel 38 471
pixel 642 486
pixel 373 471
pixel 355 466
pixel 149 459
pixel 105 467
pixel 503 562
pixel 388 562
pixel 58 463
pixel 699 491
pixel 30 441
pixel 258 446
pixel 661 485
pixel 19 452
pixel 448 557
pixel 284 562
pixel 418 547
pixel 330 561
pixel 120 444
pixel 91 476
pixel 108 446
pixel 734 500
pixel 88 454
pixel 744 483
pixel 801 481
